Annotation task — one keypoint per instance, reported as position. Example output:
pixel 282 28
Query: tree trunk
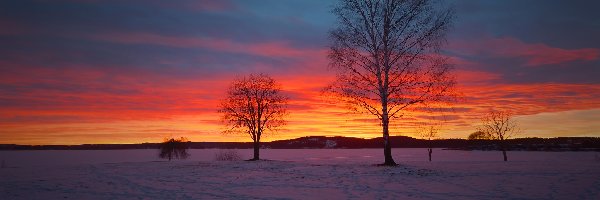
pixel 387 147
pixel 430 151
pixel 503 148
pixel 256 149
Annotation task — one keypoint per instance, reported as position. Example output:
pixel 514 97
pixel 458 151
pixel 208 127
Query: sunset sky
pixel 113 71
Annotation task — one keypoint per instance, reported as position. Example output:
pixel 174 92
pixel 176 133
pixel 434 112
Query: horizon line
pixel 288 139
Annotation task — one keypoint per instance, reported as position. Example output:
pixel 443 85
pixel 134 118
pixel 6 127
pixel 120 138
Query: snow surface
pixel 299 174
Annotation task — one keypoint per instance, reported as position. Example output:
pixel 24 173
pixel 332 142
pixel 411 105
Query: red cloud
pixel 274 48
pixel 178 103
pixel 475 77
pixel 535 54
pixel 528 99
pixel 70 99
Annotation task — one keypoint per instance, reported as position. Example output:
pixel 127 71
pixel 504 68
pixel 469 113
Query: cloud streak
pixel 537 54
pixel 266 49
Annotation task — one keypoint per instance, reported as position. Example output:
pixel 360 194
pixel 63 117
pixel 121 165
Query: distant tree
pixel 253 105
pixel 387 54
pixel 174 148
pixel 499 126
pixel 429 133
pixel 479 135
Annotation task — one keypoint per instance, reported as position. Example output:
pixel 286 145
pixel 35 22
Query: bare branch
pixel 387 56
pixel 253 104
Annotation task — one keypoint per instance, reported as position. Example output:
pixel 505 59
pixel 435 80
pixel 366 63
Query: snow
pixel 300 174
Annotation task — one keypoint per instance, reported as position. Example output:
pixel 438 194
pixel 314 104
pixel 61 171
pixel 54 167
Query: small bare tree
pixel 253 105
pixel 429 132
pixel 387 56
pixel 499 126
pixel 174 148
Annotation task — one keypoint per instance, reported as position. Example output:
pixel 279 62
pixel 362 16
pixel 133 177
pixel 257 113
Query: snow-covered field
pixel 299 174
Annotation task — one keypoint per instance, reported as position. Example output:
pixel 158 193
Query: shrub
pixel 480 135
pixel 174 148
pixel 227 155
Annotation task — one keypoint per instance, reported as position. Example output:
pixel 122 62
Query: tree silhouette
pixel 479 135
pixel 386 53
pixel 428 133
pixel 499 126
pixel 254 104
pixel 174 148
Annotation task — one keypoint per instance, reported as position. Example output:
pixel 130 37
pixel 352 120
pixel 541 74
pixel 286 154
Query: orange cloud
pixel 79 104
pixel 475 77
pixel 184 113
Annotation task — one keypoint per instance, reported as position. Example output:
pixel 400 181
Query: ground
pixel 307 179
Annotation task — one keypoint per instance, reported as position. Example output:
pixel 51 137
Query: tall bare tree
pixel 254 104
pixel 387 55
pixel 499 126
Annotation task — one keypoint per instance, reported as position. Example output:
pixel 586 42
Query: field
pixel 299 174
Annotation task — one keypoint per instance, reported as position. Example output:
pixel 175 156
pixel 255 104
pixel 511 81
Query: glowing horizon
pixel 150 70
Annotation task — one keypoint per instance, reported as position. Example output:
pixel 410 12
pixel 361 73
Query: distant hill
pixel 323 142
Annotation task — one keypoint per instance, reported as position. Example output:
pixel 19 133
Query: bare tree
pixel 253 105
pixel 174 148
pixel 387 54
pixel 499 126
pixel 429 132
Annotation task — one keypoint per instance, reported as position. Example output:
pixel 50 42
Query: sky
pixel 112 71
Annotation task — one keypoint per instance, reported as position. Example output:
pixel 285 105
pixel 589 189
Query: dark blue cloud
pixel 62 33
pixel 541 25
pixel 563 24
